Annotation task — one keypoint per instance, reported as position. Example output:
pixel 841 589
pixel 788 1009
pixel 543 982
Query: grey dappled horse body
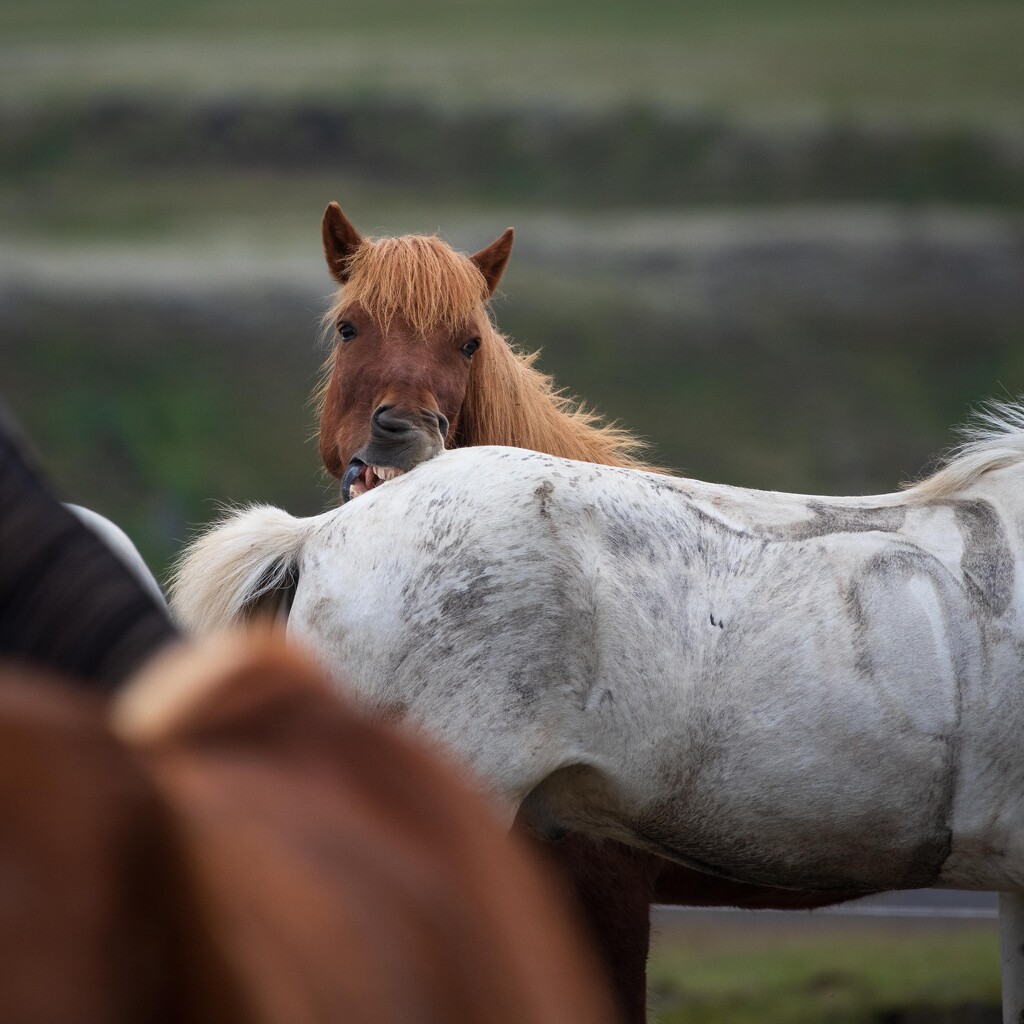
pixel 821 693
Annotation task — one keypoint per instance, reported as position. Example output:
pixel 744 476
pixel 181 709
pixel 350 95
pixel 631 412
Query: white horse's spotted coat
pixel 809 692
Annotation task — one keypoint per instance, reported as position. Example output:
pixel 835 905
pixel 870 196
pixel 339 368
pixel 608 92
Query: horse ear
pixel 340 241
pixel 491 261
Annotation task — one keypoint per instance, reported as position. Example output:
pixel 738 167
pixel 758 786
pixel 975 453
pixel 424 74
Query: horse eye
pixel 470 347
pixel 346 331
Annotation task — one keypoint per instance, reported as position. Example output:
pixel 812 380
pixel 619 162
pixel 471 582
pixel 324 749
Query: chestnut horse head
pixel 417 365
pixel 408 321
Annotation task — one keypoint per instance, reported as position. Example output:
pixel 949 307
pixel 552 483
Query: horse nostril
pixel 442 424
pixel 380 420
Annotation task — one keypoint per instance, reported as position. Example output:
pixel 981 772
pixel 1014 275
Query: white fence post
pixel 1011 955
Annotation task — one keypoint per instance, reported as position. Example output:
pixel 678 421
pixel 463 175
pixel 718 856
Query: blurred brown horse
pixel 241 847
pixel 417 366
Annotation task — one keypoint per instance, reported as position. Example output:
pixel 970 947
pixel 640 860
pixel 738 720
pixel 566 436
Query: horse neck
pixel 509 402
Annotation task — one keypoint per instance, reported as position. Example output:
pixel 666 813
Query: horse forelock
pixel 418 279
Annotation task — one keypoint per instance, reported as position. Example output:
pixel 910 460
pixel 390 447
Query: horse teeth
pixel 384 473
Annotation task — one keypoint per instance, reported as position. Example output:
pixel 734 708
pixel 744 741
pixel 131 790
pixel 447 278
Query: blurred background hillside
pixel 782 241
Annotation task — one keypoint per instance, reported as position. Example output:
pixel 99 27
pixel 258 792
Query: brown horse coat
pixel 244 847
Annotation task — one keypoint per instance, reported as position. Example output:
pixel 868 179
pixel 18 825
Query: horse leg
pixel 1011 955
pixel 612 885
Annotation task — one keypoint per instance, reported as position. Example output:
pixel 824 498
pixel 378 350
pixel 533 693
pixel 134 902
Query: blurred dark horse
pixel 67 603
pixel 418 366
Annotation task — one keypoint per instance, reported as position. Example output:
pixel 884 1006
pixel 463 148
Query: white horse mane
pixel 993 440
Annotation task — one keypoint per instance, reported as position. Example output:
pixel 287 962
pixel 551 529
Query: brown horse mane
pixel 510 402
pixel 424 282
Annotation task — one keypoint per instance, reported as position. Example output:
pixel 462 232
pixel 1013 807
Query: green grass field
pixel 158 411
pixel 840 971
pixel 945 59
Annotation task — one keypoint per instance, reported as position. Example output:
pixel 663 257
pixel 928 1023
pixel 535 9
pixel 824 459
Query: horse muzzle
pixel 399 441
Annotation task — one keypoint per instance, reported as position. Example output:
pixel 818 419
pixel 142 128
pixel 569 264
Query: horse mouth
pixel 360 478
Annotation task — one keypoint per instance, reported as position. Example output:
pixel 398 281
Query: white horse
pixel 822 693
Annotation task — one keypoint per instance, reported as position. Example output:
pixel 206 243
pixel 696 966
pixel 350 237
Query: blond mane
pixel 994 440
pixel 428 285
pixel 418 278
pixel 509 402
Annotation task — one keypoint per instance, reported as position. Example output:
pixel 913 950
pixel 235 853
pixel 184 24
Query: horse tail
pixel 244 566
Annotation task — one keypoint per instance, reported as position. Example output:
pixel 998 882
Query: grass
pixel 155 414
pixel 447 17
pixel 946 59
pixel 840 972
pixel 94 205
